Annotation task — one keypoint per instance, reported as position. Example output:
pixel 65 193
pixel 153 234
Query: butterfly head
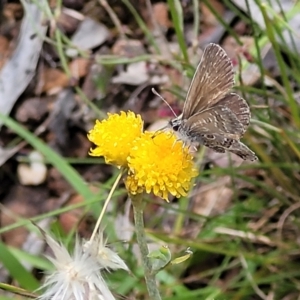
pixel 175 123
pixel 178 126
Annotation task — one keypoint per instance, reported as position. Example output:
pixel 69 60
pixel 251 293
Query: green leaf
pixel 16 269
pixel 177 17
pixel 160 258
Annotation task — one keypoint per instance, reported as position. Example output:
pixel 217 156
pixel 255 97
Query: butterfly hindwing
pixel 239 107
pixel 241 150
pixel 234 146
pixel 216 120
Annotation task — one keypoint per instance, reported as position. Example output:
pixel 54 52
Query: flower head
pixel 160 164
pixel 105 257
pixel 76 276
pixel 114 137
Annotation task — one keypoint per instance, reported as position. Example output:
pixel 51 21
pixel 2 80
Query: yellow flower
pixel 160 164
pixel 114 137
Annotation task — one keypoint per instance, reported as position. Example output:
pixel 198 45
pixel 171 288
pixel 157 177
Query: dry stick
pixel 113 17
pixel 283 217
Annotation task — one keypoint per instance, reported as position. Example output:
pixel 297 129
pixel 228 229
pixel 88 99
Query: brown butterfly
pixel 212 116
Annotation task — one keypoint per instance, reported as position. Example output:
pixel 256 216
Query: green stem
pixel 138 204
pixel 96 229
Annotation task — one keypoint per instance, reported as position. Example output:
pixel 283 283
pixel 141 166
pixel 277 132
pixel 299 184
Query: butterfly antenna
pixel 158 95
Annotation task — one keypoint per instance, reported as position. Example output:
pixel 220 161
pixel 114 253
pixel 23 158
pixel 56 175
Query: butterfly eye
pixel 175 124
pixel 176 127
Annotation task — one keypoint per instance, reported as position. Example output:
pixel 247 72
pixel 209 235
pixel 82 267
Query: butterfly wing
pixel 242 151
pixel 220 144
pixel 213 79
pixel 239 107
pixel 218 120
pixel 237 148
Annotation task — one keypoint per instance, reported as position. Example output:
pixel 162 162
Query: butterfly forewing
pixel 213 79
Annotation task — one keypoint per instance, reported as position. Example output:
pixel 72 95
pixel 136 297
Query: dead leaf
pixel 135 74
pixel 33 109
pixel 72 219
pixel 77 218
pixel 213 199
pixel 128 48
pixel 161 15
pixel 61 115
pixel 51 81
pixel 79 145
pixel 79 67
pixel 24 202
pixel 68 21
pixel 56 183
pixel 209 18
pixel 89 34
pixel 15 237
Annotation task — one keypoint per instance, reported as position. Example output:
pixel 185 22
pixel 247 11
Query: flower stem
pixel 105 205
pixel 141 239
